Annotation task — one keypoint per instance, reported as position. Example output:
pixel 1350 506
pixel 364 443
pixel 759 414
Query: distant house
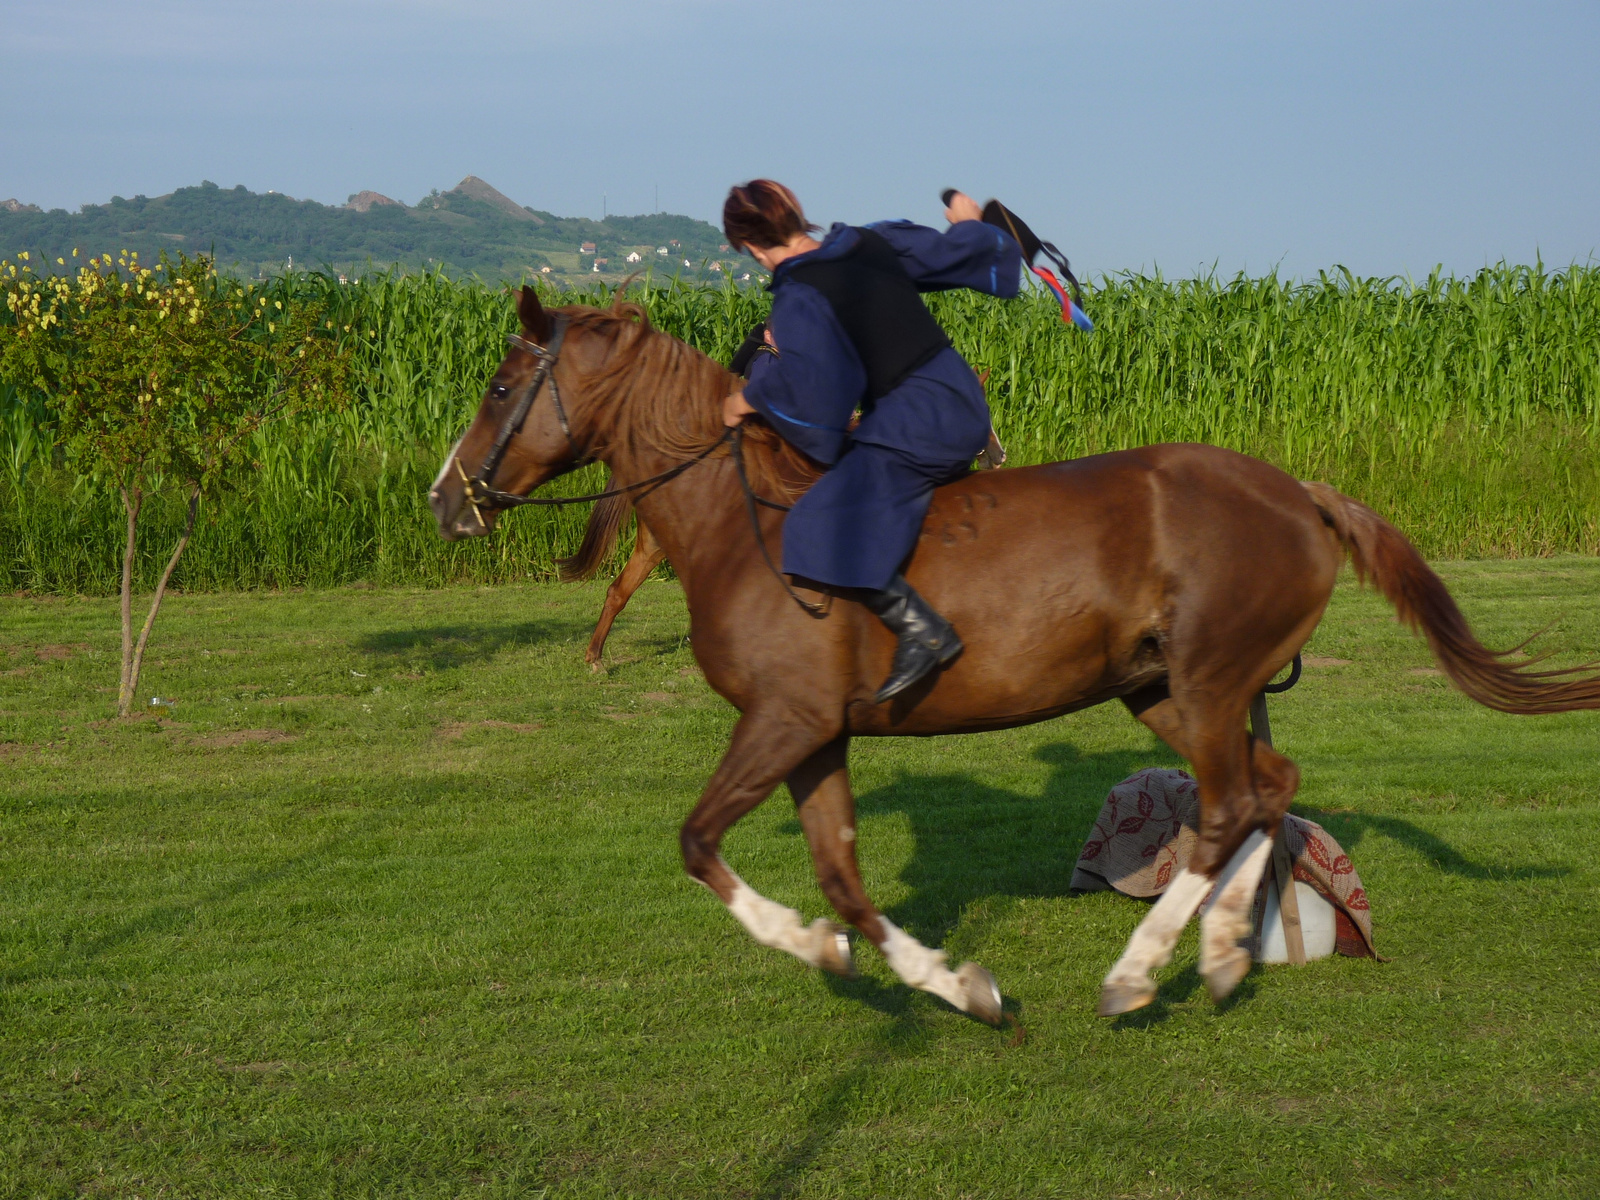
pixel 724 247
pixel 662 250
pixel 601 262
pixel 716 266
pixel 674 243
pixel 635 257
pixel 546 271
pixel 686 262
pixel 587 248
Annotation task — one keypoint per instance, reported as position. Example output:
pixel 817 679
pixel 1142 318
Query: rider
pixel 848 331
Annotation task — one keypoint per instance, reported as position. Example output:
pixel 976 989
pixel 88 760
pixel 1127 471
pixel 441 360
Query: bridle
pixel 477 488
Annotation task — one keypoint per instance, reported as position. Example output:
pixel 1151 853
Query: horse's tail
pixel 1381 553
pixel 605 524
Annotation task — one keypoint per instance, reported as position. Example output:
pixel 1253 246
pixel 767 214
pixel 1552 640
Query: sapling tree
pixel 155 379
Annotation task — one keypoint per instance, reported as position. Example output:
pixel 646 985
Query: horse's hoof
pixel 835 955
pixel 981 992
pixel 594 664
pixel 1119 998
pixel 1225 973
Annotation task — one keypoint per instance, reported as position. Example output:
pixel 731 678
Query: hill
pixel 470 229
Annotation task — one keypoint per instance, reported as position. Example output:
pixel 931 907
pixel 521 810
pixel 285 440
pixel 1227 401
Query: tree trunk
pixel 131 502
pixel 161 590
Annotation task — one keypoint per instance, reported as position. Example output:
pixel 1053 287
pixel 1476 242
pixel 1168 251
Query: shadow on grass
pixel 444 647
pixel 978 849
pixel 1349 828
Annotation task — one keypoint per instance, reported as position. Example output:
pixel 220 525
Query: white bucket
pixel 1317 925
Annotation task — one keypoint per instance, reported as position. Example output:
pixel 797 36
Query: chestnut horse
pixel 1178 579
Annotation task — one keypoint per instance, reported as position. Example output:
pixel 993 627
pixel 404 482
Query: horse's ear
pixel 534 319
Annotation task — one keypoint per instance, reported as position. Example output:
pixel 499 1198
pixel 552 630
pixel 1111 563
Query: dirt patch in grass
pixel 60 653
pixel 1318 660
pixel 242 737
pixel 456 730
pixel 1425 671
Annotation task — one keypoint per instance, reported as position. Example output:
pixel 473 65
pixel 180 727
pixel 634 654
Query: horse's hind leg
pixel 827 808
pixel 1245 787
pixel 1249 828
pixel 647 554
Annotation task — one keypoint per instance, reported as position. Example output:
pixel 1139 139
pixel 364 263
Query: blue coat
pixel 857 525
pixel 810 389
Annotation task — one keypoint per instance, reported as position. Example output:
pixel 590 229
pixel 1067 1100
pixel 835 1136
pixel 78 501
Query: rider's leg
pixel 855 528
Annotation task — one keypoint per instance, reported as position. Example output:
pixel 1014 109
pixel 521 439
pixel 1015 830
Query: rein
pixel 478 491
pixel 750 501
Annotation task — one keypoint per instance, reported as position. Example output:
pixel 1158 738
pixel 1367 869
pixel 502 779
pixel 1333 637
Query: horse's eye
pixel 499 391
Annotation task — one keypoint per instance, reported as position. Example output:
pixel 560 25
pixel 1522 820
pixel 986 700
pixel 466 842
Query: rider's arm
pixel 808 390
pixel 969 254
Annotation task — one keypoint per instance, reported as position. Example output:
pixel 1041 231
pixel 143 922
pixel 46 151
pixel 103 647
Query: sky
pixel 1385 137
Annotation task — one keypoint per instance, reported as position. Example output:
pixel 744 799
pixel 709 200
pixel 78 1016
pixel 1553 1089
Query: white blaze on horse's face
pixel 444 471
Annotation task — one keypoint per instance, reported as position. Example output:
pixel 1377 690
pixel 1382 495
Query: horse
pixel 1177 579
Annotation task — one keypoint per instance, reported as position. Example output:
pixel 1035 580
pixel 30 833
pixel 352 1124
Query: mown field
pixel 1466 410
pixel 390 905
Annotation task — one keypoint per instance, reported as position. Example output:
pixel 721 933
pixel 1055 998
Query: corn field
pixel 1465 410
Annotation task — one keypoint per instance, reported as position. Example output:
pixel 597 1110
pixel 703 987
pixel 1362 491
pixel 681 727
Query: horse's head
pixel 537 448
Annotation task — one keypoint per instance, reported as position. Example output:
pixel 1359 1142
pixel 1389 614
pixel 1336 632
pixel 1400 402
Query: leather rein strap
pixel 750 502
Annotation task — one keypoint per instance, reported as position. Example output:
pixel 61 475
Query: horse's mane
pixel 655 393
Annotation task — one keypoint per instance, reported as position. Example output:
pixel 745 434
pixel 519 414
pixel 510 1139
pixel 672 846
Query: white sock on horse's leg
pixel 1223 962
pixel 776 925
pixel 1150 947
pixel 921 967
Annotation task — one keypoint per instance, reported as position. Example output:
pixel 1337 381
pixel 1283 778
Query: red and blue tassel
pixel 1070 312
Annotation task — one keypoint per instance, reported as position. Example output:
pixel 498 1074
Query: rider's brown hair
pixel 763 213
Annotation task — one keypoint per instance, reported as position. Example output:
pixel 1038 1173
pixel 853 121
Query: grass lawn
pixel 390 905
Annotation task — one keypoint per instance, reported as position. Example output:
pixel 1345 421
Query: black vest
pixel 880 309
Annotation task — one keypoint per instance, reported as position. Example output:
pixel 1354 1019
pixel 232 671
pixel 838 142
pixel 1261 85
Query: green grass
pixel 391 948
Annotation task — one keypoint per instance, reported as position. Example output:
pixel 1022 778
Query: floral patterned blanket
pixel 1148 828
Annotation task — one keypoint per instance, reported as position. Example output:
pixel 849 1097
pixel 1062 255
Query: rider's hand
pixel 735 408
pixel 962 207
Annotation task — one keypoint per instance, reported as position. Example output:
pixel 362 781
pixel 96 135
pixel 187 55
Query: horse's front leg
pixel 765 748
pixel 827 808
pixel 647 555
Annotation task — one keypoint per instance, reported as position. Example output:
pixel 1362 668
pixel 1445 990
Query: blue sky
pixel 1385 136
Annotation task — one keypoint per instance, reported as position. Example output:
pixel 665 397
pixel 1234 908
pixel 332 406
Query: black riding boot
pixel 927 640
